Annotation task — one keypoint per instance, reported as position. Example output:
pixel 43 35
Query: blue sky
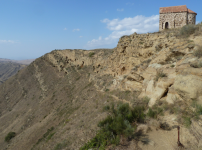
pixel 31 28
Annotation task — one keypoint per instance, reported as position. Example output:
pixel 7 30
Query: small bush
pixel 9 136
pixel 165 126
pixel 160 75
pixel 198 52
pixel 91 54
pixel 151 113
pixel 117 124
pixel 198 109
pixel 187 121
pixel 172 66
pixel 106 90
pixel 145 100
pixel 45 135
pixel 160 111
pixel 50 136
pixel 105 108
pixel 187 30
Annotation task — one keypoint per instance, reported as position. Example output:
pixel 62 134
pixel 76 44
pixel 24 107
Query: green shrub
pixel 160 111
pixel 198 52
pixel 172 66
pixel 9 136
pixel 91 54
pixel 187 121
pixel 115 125
pixel 45 135
pixel 198 109
pixel 48 131
pixel 105 108
pixel 145 100
pixel 50 136
pixel 152 114
pixel 106 90
pixel 187 30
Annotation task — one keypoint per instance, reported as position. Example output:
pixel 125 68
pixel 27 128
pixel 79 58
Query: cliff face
pixel 67 89
pixel 136 63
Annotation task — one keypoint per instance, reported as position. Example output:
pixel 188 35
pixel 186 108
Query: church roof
pixel 190 11
pixel 175 9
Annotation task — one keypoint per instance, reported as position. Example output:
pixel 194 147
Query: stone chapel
pixel 175 17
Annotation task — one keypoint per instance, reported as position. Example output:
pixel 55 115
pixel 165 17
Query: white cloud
pixel 7 41
pixel 65 28
pixel 120 9
pixel 80 36
pixel 198 22
pixel 76 30
pixel 126 26
pixel 112 38
pixel 141 23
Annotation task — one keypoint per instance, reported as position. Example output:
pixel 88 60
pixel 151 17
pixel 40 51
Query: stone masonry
pixel 175 17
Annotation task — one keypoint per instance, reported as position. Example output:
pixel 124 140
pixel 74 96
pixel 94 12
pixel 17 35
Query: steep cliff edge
pixel 57 100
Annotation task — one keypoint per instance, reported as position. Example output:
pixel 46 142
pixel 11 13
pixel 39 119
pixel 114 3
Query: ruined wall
pixel 191 19
pixel 174 20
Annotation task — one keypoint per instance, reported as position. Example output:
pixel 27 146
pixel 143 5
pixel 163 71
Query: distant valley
pixel 9 67
pixel 24 62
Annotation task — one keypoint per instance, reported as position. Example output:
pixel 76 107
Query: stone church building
pixel 175 16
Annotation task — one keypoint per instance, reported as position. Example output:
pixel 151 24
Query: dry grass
pixel 185 31
pixel 198 52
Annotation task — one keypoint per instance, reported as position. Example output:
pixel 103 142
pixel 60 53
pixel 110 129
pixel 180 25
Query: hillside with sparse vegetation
pixel 134 96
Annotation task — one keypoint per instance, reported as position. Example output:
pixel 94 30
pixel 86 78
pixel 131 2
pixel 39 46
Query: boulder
pixel 159 90
pixel 188 83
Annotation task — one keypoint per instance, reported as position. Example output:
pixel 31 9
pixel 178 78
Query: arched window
pixel 166 25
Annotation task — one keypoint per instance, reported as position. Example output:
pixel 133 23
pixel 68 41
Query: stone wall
pixel 191 18
pixel 174 20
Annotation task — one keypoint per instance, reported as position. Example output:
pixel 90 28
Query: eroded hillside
pixel 57 101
